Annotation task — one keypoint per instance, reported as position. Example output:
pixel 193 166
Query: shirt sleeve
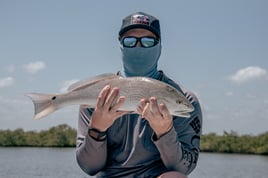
pixel 90 154
pixel 180 147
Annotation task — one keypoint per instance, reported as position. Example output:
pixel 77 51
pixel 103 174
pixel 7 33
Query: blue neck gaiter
pixel 140 61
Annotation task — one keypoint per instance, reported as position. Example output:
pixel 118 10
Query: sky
pixel 217 49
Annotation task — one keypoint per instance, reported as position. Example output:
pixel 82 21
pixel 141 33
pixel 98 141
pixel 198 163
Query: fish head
pixel 184 105
pixel 177 103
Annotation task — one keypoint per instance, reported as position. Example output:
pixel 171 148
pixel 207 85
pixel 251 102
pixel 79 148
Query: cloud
pixel 248 74
pixel 6 82
pixel 65 85
pixel 34 67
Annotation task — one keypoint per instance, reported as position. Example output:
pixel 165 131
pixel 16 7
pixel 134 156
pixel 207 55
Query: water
pixel 231 166
pixel 61 163
pixel 39 163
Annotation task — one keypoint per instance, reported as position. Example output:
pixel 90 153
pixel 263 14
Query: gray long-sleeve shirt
pixel 131 149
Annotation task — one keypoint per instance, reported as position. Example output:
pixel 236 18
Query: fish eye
pixel 53 98
pixel 178 101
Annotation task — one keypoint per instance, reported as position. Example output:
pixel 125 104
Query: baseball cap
pixel 140 20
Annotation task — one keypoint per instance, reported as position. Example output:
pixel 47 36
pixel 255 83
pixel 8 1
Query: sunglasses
pixel 145 41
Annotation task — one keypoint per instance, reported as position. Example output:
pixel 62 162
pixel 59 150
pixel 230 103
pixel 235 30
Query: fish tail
pixel 43 104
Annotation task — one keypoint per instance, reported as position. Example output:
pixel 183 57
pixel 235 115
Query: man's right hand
pixel 106 110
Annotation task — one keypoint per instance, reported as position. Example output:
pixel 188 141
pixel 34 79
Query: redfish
pixel 133 88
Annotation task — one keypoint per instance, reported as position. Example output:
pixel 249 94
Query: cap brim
pixel 123 30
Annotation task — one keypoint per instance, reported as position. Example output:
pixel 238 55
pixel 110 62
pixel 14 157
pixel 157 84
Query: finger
pixel 139 109
pixel 141 106
pixel 164 111
pixel 146 113
pixel 102 96
pixel 111 98
pixel 143 102
pixel 145 109
pixel 118 104
pixel 153 105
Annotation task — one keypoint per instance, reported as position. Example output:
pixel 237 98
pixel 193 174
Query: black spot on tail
pixel 54 97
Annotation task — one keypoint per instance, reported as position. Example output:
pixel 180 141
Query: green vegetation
pixel 65 136
pixel 59 136
pixel 234 143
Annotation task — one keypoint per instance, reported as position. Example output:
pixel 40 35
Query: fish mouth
pixel 182 114
pixel 185 112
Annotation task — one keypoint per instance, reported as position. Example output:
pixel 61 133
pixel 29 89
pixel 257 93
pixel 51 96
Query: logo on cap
pixel 140 19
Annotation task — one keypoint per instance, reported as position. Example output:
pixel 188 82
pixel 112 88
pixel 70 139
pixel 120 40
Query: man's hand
pixel 105 112
pixel 158 116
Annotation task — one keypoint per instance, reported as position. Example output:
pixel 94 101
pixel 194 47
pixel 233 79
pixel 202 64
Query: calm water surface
pixel 61 163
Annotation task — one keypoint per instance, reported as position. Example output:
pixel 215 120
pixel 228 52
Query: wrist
pixel 97 126
pixel 157 136
pixel 96 134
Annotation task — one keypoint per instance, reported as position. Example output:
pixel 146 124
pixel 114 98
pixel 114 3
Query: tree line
pixel 235 143
pixel 58 136
pixel 65 136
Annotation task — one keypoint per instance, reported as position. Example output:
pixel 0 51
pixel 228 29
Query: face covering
pixel 139 61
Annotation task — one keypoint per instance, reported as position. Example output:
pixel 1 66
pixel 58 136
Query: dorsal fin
pixel 92 80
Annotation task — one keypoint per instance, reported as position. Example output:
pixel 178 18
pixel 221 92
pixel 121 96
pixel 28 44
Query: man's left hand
pixel 157 115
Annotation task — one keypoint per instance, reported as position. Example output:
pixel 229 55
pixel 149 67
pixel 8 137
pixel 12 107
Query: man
pixel 113 143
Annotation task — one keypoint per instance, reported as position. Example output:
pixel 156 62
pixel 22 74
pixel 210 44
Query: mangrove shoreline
pixel 65 136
